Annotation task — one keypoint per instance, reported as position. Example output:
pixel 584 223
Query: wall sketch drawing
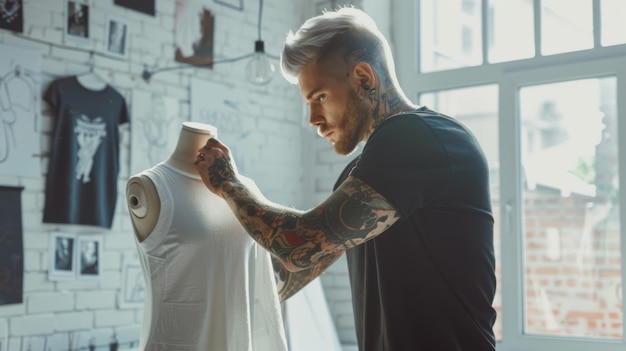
pixel 11 246
pixel 133 286
pixel 221 106
pixel 20 71
pixel 62 265
pixel 157 124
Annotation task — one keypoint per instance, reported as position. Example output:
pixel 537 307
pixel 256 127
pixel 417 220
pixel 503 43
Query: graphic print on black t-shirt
pixel 81 183
pixel 89 135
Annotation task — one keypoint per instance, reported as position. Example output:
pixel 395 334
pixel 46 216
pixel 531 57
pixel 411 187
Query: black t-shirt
pixel 428 282
pixel 81 183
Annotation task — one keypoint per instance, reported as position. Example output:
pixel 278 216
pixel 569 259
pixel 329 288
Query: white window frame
pixel 510 77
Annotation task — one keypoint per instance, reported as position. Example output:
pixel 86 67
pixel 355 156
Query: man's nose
pixel 315 117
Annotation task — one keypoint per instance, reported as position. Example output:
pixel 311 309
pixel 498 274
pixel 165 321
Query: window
pixel 613 22
pixel 571 226
pixel 542 84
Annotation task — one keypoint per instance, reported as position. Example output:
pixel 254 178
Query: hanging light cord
pixel 260 17
pixel 147 74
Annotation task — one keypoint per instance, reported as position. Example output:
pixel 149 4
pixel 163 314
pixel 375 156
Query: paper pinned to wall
pixel 222 107
pixel 155 128
pixel 20 147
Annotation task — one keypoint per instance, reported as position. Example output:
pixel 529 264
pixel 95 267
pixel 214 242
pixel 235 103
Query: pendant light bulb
pixel 259 70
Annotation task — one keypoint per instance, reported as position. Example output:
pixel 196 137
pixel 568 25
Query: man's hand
pixel 215 166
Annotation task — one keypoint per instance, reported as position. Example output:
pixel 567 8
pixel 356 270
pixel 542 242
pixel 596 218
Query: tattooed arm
pixel 301 240
pixel 288 283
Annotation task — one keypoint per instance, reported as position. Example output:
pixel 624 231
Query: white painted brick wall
pixel 291 164
pixel 31 324
pixel 54 312
pixel 49 302
pixel 74 321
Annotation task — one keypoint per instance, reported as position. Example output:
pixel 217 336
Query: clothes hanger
pixel 91 79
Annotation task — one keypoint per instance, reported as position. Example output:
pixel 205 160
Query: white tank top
pixel 209 286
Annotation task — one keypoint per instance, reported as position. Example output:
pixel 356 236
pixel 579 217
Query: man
pixel 413 212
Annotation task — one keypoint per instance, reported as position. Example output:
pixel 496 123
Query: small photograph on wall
pixel 89 253
pixel 133 286
pixel 12 15
pixel 117 37
pixel 77 21
pixel 62 256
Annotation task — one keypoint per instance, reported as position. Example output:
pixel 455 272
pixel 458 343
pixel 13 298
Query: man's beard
pixel 353 125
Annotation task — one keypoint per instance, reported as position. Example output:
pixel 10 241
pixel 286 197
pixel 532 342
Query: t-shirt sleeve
pixel 123 115
pixel 51 95
pixel 405 162
pixel 124 118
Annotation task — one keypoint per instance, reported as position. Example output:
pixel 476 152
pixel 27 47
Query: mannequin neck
pixel 193 136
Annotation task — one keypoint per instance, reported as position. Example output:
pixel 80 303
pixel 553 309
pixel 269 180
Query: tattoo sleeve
pixel 353 214
pixel 288 283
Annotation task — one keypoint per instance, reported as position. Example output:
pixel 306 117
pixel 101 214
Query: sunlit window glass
pixel 571 224
pixel 566 26
pixel 477 108
pixel 613 13
pixel 510 30
pixel 450 34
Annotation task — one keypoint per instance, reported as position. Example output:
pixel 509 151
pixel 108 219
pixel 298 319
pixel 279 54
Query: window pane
pixel 571 225
pixel 613 14
pixel 511 30
pixel 566 26
pixel 477 108
pixel 450 34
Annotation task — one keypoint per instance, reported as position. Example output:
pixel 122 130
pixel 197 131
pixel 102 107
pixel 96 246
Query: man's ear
pixel 363 75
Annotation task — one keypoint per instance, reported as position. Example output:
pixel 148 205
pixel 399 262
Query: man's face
pixel 335 107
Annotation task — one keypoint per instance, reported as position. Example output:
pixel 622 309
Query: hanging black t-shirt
pixel 81 184
pixel 428 282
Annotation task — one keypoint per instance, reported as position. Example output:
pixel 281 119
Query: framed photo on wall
pixel 77 21
pixel 89 257
pixel 62 256
pixel 117 37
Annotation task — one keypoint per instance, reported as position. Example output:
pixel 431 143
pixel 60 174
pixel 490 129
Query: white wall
pixel 52 310
pixel 307 166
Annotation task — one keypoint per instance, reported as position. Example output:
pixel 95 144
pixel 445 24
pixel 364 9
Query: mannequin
pixel 209 286
pixel 141 195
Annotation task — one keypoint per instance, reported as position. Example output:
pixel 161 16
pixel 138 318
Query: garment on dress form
pixel 209 285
